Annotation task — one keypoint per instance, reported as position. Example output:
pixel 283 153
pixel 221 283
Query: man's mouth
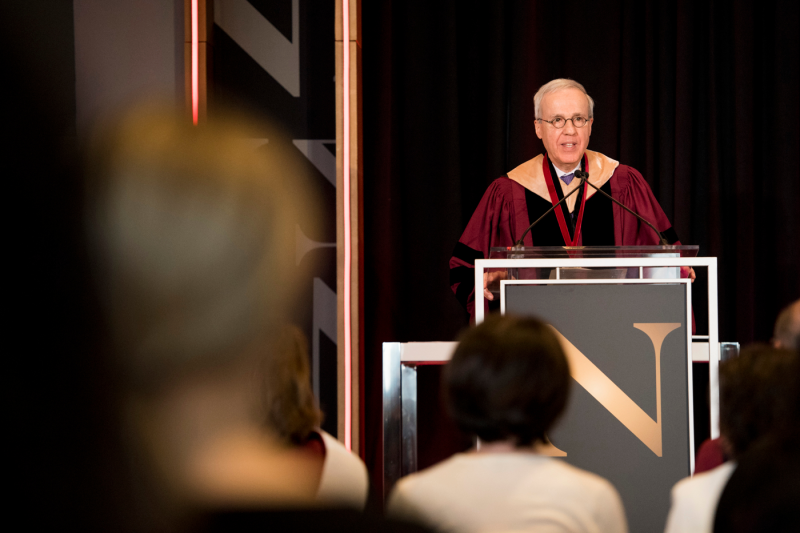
pixel 569 145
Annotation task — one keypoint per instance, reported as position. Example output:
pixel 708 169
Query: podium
pixel 624 317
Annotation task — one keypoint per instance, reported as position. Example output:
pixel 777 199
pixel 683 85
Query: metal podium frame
pixel 710 263
pixel 400 360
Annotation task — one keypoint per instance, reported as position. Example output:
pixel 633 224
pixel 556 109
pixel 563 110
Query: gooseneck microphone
pixel 585 177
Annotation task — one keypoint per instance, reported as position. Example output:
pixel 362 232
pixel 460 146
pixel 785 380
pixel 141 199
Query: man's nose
pixel 569 127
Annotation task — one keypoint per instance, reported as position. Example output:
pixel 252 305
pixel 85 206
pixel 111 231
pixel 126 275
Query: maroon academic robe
pixel 502 216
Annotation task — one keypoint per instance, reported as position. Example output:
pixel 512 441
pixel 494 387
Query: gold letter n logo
pixel 611 396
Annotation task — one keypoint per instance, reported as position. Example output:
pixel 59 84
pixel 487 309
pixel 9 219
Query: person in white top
pixel 694 500
pixel 288 410
pixel 755 402
pixel 507 383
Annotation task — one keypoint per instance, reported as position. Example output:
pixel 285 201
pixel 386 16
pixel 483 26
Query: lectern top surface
pixel 554 252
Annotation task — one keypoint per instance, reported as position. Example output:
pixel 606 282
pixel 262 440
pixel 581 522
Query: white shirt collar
pixel 560 173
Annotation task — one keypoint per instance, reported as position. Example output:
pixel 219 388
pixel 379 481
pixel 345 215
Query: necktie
pixel 567 178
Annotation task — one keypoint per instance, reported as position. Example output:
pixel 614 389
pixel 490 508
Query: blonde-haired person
pixel 187 230
pixel 289 412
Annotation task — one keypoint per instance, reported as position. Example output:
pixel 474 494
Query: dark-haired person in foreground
pixel 786 335
pixel 763 494
pixel 758 399
pixel 507 383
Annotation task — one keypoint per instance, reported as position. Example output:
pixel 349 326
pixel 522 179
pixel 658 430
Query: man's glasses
pixel 560 122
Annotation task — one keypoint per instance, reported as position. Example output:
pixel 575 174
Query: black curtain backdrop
pixel 700 96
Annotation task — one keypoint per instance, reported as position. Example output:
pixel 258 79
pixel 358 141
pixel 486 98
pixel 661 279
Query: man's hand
pixel 686 272
pixel 491 280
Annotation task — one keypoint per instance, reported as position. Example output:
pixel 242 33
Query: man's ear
pixel 538 126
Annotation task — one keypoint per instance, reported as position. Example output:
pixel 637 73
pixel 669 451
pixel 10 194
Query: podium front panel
pixel 629 416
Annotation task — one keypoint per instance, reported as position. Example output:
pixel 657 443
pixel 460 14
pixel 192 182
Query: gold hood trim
pixel 529 174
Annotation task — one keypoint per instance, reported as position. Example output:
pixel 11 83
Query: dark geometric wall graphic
pixel 275 61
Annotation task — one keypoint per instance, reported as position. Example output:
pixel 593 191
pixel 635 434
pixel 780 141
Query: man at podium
pixel 564 118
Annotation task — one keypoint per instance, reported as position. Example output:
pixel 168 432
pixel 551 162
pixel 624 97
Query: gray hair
pixel 558 85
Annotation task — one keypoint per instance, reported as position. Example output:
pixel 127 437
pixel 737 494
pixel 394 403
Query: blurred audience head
pixel 189 234
pixel 189 229
pixel 758 396
pixel 763 491
pixel 508 380
pixel 287 405
pixel 787 327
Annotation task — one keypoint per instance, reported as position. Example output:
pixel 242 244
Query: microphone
pixel 585 177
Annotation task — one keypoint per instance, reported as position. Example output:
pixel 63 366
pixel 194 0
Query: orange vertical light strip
pixel 195 64
pixel 348 342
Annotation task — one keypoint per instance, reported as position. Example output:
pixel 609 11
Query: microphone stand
pixel 585 177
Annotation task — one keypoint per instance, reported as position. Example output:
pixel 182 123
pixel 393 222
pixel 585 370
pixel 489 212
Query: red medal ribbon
pixel 554 199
